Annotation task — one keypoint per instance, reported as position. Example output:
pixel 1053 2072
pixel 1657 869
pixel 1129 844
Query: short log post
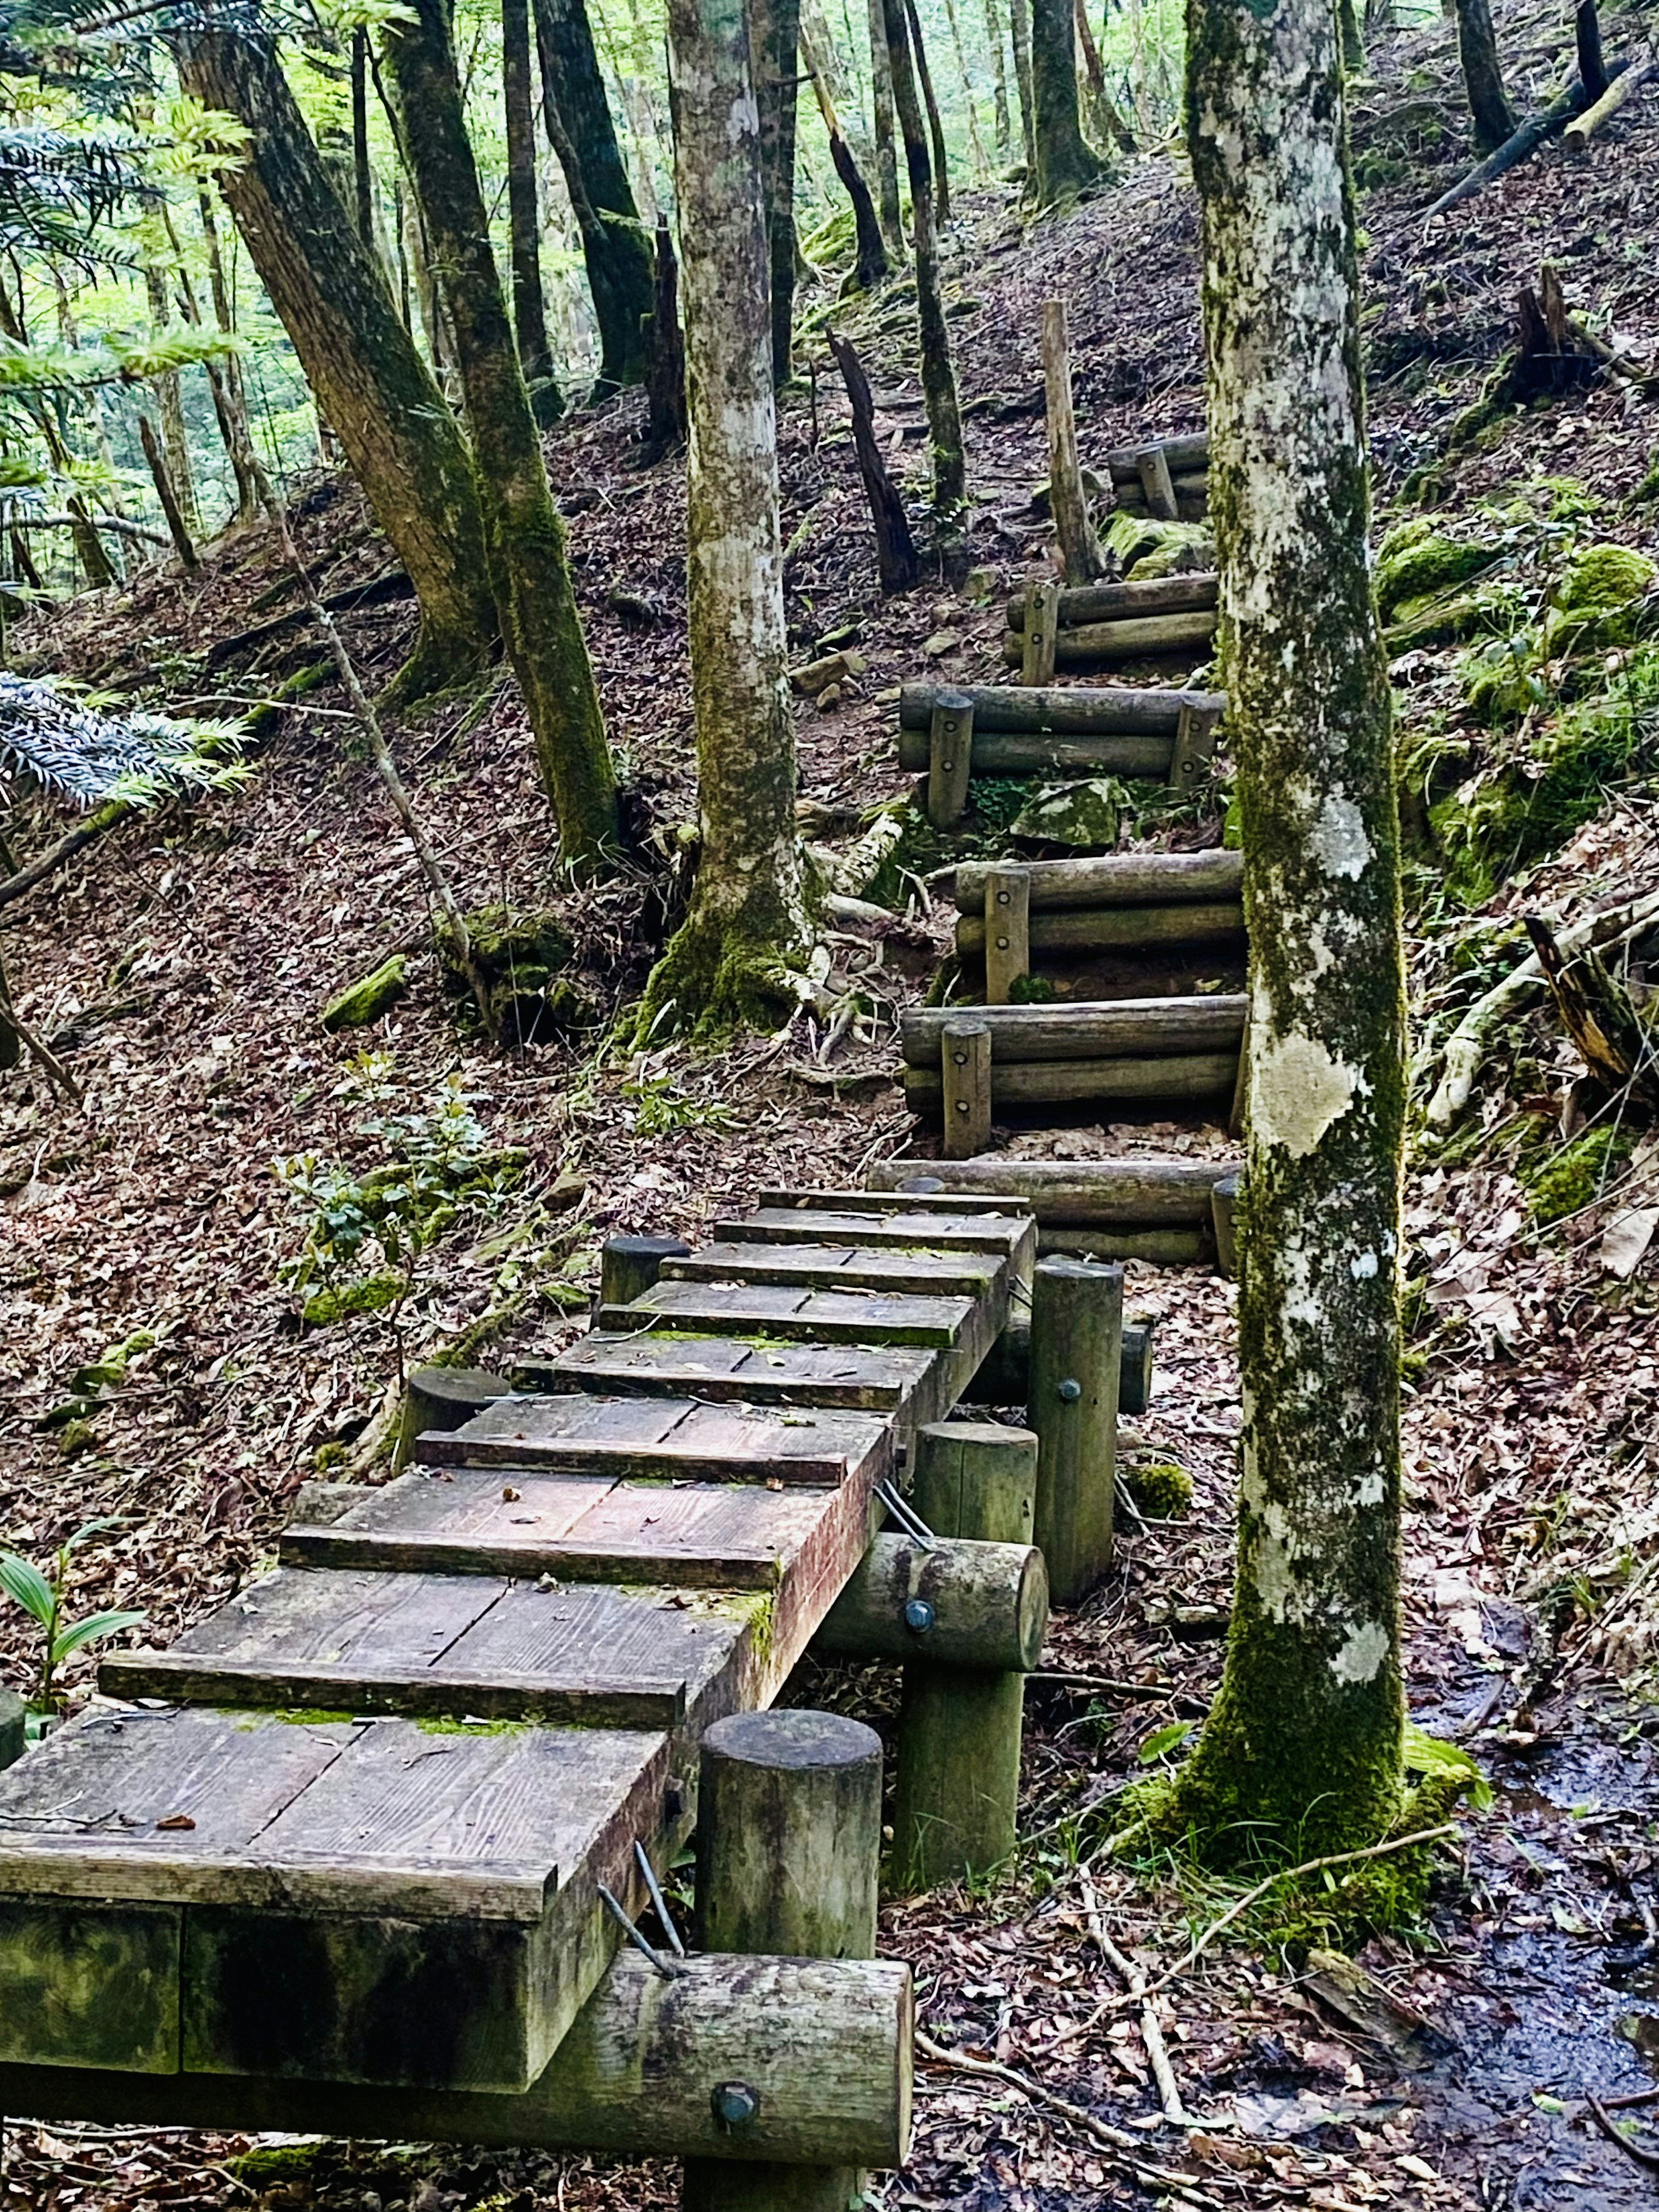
pixel 965 1059
pixel 789 1861
pixel 13 1714
pixel 1153 464
pixel 444 1398
pixel 957 1796
pixel 1077 1322
pixel 950 758
pixel 629 1267
pixel 1222 1200
pixel 1007 932
pixel 1195 746
pixel 1042 630
pixel 1005 1374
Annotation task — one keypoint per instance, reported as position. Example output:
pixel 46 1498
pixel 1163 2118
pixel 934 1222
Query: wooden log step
pixel 1114 879
pixel 724 1370
pixel 1057 1081
pixel 1197 592
pixel 314 1899
pixel 665 1437
pixel 940 1205
pixel 1026 753
pixel 726 1535
pixel 1089 929
pixel 1157 1248
pixel 988 1605
pixel 1090 1194
pixel 1189 452
pixel 1008 1236
pixel 840 1267
pixel 1155 1027
pixel 1066 709
pixel 1128 640
pixel 830 1317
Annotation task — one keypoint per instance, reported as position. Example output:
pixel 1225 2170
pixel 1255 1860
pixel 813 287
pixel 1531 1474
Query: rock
pixel 1415 562
pixel 816 675
pixel 76 1436
pixel 1605 599
pixel 979 585
pixel 371 996
pixel 941 642
pixel 1135 538
pixel 523 956
pixel 1191 553
pixel 1160 1489
pixel 1076 814
pixel 829 699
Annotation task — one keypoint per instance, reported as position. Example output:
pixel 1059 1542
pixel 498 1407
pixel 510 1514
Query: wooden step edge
pixel 878 1201
pixel 877 1334
pixel 327 1545
pixel 443 1448
pixel 952 1278
pixel 802 1394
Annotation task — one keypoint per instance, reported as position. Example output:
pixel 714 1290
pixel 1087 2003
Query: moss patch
pixel 1567 1181
pixel 373 1294
pixel 1415 560
pixel 1161 1490
pixel 368 998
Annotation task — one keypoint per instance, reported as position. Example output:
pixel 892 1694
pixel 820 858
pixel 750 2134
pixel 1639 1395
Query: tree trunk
pixel 177 529
pixel 529 309
pixel 170 404
pixel 982 160
pixel 523 531
pixel 1586 33
pixel 881 104
pixel 403 443
pixel 775 42
pixel 615 247
pixel 895 551
pixel 997 39
pixel 1302 1750
pixel 1109 128
pixel 871 264
pixel 231 394
pixel 939 381
pixel 665 375
pixel 730 965
pixel 1352 36
pixel 362 170
pixel 935 127
pixel 1065 162
pixel 1483 76
pixel 1019 17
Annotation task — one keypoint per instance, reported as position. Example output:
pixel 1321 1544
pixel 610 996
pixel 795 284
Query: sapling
pixel 41 1596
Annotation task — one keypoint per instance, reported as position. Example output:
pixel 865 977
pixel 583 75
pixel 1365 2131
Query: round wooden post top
pixel 655 1247
pixel 793 1740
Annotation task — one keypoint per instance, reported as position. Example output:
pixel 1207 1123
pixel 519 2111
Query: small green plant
pixel 659 1108
pixel 41 1596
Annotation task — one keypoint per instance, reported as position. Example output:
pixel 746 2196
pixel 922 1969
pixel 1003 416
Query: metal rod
pixel 657 1899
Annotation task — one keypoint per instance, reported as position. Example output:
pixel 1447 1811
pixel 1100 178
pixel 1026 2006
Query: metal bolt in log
pixel 788 1852
pixel 965 1064
pixel 1077 1327
pixel 950 758
pixel 1007 932
pixel 13 1713
pixel 1005 1374
pixel 629 1267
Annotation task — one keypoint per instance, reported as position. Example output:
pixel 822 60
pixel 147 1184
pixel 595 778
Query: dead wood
pixel 380 591
pixel 1548 123
pixel 896 559
pixel 1597 1013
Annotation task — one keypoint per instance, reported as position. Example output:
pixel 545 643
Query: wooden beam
pixel 1157 483
pixel 1195 742
pixel 1224 1200
pixel 628 1265
pixel 1007 932
pixel 1070 710
pixel 1183 454
pixel 1077 1320
pixel 1131 639
pixel 1035 651
pixel 1127 879
pixel 1090 1193
pixel 979 1605
pixel 728 1370
pixel 1053 1082
pixel 1150 595
pixel 964 1084
pixel 1090 929
pixel 1110 1030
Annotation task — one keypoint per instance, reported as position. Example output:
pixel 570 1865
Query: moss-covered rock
pixel 1567 1181
pixel 1434 618
pixel 75 1438
pixel 1502 681
pixel 1084 815
pixel 1605 598
pixel 1160 1489
pixel 525 958
pixel 1415 562
pixel 368 998
pixel 369 1294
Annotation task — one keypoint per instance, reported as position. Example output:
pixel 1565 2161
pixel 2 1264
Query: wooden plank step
pixel 958 1203
pixel 840 1266
pixel 666 1438
pixel 727 1371
pixel 1095 1194
pixel 693 1536
pixel 901 1227
pixel 1111 1030
pixel 775 1309
pixel 233 1892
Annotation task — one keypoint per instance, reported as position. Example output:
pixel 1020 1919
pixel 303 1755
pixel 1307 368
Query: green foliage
pixel 41 1596
pixel 1573 1178
pixel 657 1107
pixel 1415 560
pixel 1160 1489
pixel 1426 1755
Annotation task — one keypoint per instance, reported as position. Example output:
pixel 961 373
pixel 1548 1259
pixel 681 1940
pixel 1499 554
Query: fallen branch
pixel 1152 2029
pixel 1646 2159
pixel 108 817
pixel 377 591
pixel 1583 128
pixel 1548 123
pixel 39 1050
pixel 1596 1012
pixel 101 520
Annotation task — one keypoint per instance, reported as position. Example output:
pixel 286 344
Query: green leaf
pixel 1426 1754
pixel 1162 1740
pixel 89 1630
pixel 27 1586
pixel 98 1528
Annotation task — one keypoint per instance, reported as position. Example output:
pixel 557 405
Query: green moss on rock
pixel 1415 560
pixel 369 997
pixel 1604 601
pixel 1568 1181
pixel 370 1294
pixel 1160 1489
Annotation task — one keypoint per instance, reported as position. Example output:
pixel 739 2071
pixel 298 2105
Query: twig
pixel 1647 2159
pixel 1152 2029
pixel 1149 1691
pixel 108 815
pixel 48 1060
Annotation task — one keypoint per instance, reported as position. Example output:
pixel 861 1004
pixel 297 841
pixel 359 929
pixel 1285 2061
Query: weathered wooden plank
pixel 840 1266
pixel 1114 879
pixel 1116 1030
pixel 1063 709
pixel 1009 1235
pixel 958 1203
pixel 830 1317
pixel 697 1442
pixel 1150 595
pixel 533 1509
pixel 1086 929
pixel 1043 1082
pixel 727 1371
pixel 1096 1194
pixel 60 1963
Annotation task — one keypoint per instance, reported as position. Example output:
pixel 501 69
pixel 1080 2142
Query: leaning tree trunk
pixel 935 125
pixel 881 108
pixel 775 45
pixel 1109 128
pixel 401 440
pixel 523 531
pixel 938 379
pixel 870 263
pixel 1065 161
pixel 1302 1751
pixel 1483 76
pixel 524 225
pixel 730 964
pixel 615 247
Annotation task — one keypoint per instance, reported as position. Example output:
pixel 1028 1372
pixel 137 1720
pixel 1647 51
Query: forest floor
pixel 178 970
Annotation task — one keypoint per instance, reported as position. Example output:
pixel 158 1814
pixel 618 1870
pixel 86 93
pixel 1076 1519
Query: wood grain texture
pixel 687 1439
pixel 830 1317
pixel 1009 1235
pixel 1045 1082
pixel 1088 929
pixel 1063 709
pixel 840 1266
pixel 1114 879
pixel 1116 1030
pixel 1090 1193
pixel 724 1370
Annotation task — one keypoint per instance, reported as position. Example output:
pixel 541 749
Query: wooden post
pixel 1041 630
pixel 1134 1366
pixel 629 1267
pixel 444 1398
pixel 1222 1200
pixel 897 562
pixel 1157 483
pixel 1079 546
pixel 1005 1374
pixel 1241 1105
pixel 1195 745
pixel 789 1859
pixel 965 1059
pixel 957 1801
pixel 950 758
pixel 1076 1320
pixel 12 1715
pixel 1007 932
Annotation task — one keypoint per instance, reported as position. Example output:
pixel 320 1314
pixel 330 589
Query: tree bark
pixel 774 44
pixel 1065 162
pixel 1353 35
pixel 1586 33
pixel 165 491
pixel 169 398
pixel 362 171
pixel 997 39
pixel 1302 1750
pixel 982 160
pixel 870 266
pixel 523 532
pixel 1109 128
pixel 402 442
pixel 896 552
pixel 529 308
pixel 230 393
pixel 615 248
pixel 935 126
pixel 1019 19
pixel 1483 76
pixel 665 375
pixel 729 966
pixel 881 103
pixel 938 381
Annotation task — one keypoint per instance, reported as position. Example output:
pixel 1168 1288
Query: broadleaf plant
pixel 41 1596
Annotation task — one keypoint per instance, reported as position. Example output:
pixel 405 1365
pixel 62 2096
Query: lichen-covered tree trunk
pixel 731 964
pixel 1065 161
pixel 523 533
pixel 939 379
pixel 881 109
pixel 775 48
pixel 615 247
pixel 1020 20
pixel 1483 76
pixel 529 307
pixel 1302 1750
pixel 940 166
pixel 997 39
pixel 401 440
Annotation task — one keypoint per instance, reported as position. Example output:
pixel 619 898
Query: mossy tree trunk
pixel 615 247
pixel 1302 1750
pixel 524 533
pixel 1020 20
pixel 935 125
pixel 774 51
pixel 731 964
pixel 529 307
pixel 1353 35
pixel 1065 161
pixel 881 109
pixel 1483 76
pixel 401 440
pixel 997 39
pixel 939 381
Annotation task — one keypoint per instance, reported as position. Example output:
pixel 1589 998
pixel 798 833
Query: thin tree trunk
pixel 583 134
pixel 871 264
pixel 665 376
pixel 362 171
pixel 1079 549
pixel 1065 162
pixel 895 551
pixel 529 309
pixel 935 128
pixel 997 39
pixel 523 531
pixel 1110 129
pixel 982 160
pixel 177 529
pixel 1020 18
pixel 1483 76
pixel 938 381
pixel 1352 36
pixel 402 442
pixel 235 392
pixel 730 965
pixel 774 39
pixel 881 106
pixel 1301 1754
pixel 1587 33
pixel 170 403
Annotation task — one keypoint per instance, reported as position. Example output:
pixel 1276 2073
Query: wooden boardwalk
pixel 351 1828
